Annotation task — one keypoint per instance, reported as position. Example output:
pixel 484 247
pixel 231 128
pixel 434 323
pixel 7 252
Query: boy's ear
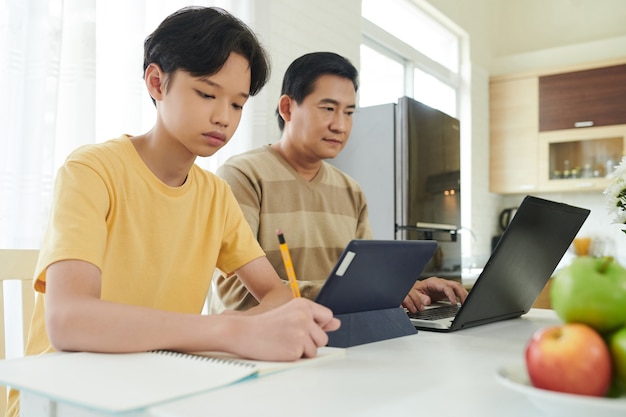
pixel 284 107
pixel 155 81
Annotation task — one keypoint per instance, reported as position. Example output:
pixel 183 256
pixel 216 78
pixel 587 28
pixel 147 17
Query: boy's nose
pixel 220 115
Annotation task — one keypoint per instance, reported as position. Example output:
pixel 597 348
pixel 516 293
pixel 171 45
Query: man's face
pixel 320 126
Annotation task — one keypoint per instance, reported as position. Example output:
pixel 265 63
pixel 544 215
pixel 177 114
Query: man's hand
pixel 427 291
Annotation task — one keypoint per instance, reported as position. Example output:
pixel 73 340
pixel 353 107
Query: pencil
pixel 291 274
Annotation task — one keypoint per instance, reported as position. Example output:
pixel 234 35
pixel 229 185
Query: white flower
pixel 615 194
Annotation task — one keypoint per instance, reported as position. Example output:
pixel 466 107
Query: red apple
pixel 571 358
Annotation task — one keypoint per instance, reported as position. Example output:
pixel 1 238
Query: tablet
pixel 375 274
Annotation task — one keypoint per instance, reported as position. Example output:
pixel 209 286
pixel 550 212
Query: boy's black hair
pixel 300 77
pixel 199 40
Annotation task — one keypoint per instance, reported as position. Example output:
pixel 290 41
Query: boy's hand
pixel 286 333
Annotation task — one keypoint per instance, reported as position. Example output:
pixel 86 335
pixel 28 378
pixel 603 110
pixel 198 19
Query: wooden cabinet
pixel 594 97
pixel 534 146
pixel 513 141
pixel 579 159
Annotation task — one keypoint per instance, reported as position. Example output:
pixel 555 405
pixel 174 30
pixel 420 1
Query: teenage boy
pixel 136 229
pixel 288 185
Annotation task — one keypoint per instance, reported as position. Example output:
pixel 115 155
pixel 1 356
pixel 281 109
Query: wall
pixel 290 29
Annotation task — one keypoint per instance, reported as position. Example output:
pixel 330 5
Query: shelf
pixel 430 231
pixel 580 159
pixel 585 159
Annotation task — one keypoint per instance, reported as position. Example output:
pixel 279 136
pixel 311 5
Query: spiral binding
pixel 201 358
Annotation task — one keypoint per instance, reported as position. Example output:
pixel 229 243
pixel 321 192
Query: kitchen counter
pixel 427 373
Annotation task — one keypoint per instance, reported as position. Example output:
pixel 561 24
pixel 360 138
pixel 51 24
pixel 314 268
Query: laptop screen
pixel 523 260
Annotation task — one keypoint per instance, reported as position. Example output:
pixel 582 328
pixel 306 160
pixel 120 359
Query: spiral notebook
pixel 132 381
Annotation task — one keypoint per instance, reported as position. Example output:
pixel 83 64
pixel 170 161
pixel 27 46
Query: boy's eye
pixel 203 95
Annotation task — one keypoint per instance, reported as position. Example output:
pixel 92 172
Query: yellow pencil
pixel 291 274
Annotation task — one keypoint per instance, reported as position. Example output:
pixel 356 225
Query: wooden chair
pixel 16 265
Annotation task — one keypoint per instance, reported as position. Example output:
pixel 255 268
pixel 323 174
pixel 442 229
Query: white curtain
pixel 71 74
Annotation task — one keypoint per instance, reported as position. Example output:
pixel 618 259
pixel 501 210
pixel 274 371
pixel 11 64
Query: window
pixel 433 92
pixel 406 51
pixel 71 77
pixel 383 82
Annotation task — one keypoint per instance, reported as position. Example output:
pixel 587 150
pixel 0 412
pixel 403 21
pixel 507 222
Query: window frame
pixel 375 37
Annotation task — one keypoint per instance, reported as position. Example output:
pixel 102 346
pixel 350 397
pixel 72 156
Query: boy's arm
pixel 261 279
pixel 78 320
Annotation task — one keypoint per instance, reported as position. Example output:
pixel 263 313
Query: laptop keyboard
pixel 442 312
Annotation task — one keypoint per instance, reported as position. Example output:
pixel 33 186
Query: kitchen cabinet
pixel 529 153
pixel 579 159
pixel 513 141
pixel 593 97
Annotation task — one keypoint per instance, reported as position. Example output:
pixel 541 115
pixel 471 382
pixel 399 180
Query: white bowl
pixel 560 404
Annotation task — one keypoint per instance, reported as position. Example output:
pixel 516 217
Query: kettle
pixel 506 216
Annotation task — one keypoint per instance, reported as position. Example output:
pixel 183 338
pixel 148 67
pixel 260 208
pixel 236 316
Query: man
pixel 287 185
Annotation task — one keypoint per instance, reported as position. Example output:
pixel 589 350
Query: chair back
pixel 17 267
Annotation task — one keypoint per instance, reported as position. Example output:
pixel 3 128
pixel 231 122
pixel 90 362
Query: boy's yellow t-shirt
pixel 157 246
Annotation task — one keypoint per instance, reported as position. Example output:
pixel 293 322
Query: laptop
pixel 374 274
pixel 520 265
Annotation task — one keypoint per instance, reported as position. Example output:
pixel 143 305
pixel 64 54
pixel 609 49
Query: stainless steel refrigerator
pixel 406 156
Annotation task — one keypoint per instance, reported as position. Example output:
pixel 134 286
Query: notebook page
pixel 120 382
pixel 267 367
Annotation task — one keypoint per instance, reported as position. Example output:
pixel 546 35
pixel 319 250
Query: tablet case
pixel 367 286
pixel 370 326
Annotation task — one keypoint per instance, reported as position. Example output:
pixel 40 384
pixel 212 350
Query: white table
pixel 448 374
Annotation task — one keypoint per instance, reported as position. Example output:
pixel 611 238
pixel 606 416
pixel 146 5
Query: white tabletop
pixel 449 374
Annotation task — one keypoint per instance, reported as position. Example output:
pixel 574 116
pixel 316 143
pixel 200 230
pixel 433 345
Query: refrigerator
pixel 406 157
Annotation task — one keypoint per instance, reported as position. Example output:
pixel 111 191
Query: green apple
pixel 591 291
pixel 615 390
pixel 617 347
